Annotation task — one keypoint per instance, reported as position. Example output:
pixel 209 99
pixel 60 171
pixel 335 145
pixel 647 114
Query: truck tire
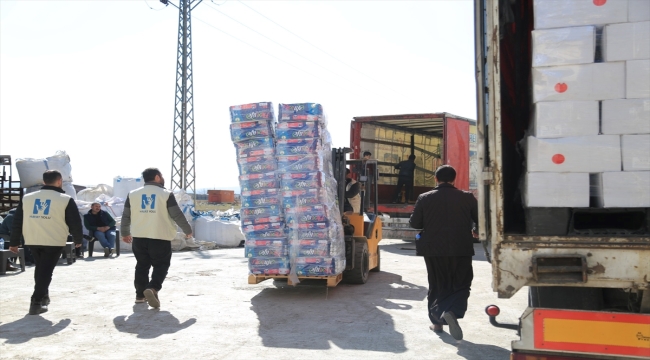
pixel 359 275
pixel 378 268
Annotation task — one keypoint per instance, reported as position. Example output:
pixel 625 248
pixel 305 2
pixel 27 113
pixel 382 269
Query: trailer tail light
pixel 524 356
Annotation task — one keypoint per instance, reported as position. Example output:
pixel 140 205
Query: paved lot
pixel 209 311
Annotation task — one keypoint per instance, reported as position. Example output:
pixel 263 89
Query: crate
pixel 221 196
pixel 332 280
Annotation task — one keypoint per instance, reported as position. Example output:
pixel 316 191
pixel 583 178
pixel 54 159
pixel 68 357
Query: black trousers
pixel 450 279
pixel 408 184
pixel 45 259
pixel 150 253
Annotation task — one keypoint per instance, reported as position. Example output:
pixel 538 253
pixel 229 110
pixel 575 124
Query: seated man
pixel 101 225
pixel 5 233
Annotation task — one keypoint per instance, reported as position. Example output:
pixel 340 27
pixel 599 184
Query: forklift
pixel 362 230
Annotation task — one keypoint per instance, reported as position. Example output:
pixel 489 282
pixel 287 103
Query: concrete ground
pixel 209 311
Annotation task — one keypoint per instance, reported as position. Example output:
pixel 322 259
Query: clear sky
pixel 97 78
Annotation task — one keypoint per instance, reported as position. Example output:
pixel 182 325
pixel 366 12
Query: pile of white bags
pixel 30 172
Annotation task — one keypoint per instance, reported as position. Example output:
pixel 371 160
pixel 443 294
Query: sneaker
pixel 454 329
pixel 152 298
pixel 140 300
pixel 112 252
pixel 107 252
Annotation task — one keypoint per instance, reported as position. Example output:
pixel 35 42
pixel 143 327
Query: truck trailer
pixel 551 88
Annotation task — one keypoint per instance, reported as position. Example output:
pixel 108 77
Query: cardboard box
pixel 565 13
pixel 564 46
pixel 555 119
pixel 556 190
pixel 601 81
pixel 626 189
pixel 637 79
pixel 636 152
pixel 221 196
pixel 627 41
pixel 638 10
pixel 588 154
pixel 625 116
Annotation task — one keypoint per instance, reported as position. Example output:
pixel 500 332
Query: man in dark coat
pixel 447 216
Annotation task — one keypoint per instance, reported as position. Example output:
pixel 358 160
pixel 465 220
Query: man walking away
pixel 45 218
pixel 406 169
pixel 447 216
pixel 148 222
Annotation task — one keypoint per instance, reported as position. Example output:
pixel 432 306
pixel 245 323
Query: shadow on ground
pixel 469 350
pixel 150 323
pixel 29 327
pixel 312 316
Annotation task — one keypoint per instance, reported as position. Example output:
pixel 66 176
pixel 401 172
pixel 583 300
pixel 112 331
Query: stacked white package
pixel 638 10
pixel 636 152
pixel 589 154
pixel 564 46
pixel 626 41
pixel 625 116
pixel 554 119
pixel 599 81
pixel 556 190
pixel 562 13
pixel 637 79
pixel 625 189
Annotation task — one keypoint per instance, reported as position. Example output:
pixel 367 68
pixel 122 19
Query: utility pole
pixel 183 169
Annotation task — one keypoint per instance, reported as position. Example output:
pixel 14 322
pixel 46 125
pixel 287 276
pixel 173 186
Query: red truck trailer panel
pixel 456 153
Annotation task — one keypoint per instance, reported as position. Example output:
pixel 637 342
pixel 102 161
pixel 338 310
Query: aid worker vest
pixel 149 215
pixel 354 201
pixel 44 218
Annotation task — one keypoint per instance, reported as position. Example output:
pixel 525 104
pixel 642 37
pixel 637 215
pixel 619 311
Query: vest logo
pixel 149 202
pixel 42 207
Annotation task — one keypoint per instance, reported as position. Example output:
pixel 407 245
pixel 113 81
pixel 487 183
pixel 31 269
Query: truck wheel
pixel 358 275
pixel 377 269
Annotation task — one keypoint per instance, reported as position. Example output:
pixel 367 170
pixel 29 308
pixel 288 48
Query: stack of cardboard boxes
pixel 589 142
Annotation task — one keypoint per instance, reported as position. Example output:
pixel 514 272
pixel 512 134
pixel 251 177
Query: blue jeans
pixel 106 239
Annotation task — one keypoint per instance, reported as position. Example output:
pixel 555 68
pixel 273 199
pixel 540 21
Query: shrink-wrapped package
pixel 564 46
pixel 625 189
pixel 636 152
pixel 556 190
pixel 554 119
pixel 566 13
pixel 625 116
pixel 599 81
pixel 627 41
pixel 637 79
pixel 589 154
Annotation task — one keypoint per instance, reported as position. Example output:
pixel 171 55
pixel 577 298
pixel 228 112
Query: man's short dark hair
pixel 149 174
pixel 411 157
pixel 347 171
pixel 445 174
pixel 367 153
pixel 51 176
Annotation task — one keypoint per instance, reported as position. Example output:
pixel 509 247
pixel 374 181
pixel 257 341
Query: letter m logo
pixel 149 201
pixel 42 207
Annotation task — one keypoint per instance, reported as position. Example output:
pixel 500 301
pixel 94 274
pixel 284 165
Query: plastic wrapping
pixel 637 79
pixel 599 81
pixel 297 146
pixel 251 112
pixel 556 190
pixel 638 10
pixel 564 46
pixel 625 189
pixel 256 164
pixel 566 13
pixel 269 266
pixel 627 41
pixel 287 110
pixel 626 116
pixel 251 129
pixel 554 119
pixel 258 181
pixel 590 154
pixel 636 152
pixel 298 130
pixel 260 197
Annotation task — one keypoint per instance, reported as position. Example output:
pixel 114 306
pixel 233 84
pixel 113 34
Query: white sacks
pixel 598 153
pixel 30 171
pixel 600 81
pixel 556 190
pixel 556 119
pixel 564 46
pixel 637 79
pixel 625 116
pixel 91 194
pixel 625 189
pixel 627 41
pixel 222 233
pixel 563 13
pixel 123 185
pixel 636 152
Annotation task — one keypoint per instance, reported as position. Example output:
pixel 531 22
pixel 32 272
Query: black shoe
pixel 454 329
pixel 11 267
pixel 46 300
pixel 107 252
pixel 37 308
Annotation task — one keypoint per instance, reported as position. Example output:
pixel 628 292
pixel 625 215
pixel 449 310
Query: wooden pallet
pixel 332 280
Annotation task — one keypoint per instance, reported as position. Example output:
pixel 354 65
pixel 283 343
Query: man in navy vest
pixel 45 218
pixel 149 222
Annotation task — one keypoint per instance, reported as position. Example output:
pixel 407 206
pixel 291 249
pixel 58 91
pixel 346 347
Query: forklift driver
pixel 352 197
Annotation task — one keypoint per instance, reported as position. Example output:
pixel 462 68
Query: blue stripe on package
pixel 297 146
pixel 301 109
pixel 250 130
